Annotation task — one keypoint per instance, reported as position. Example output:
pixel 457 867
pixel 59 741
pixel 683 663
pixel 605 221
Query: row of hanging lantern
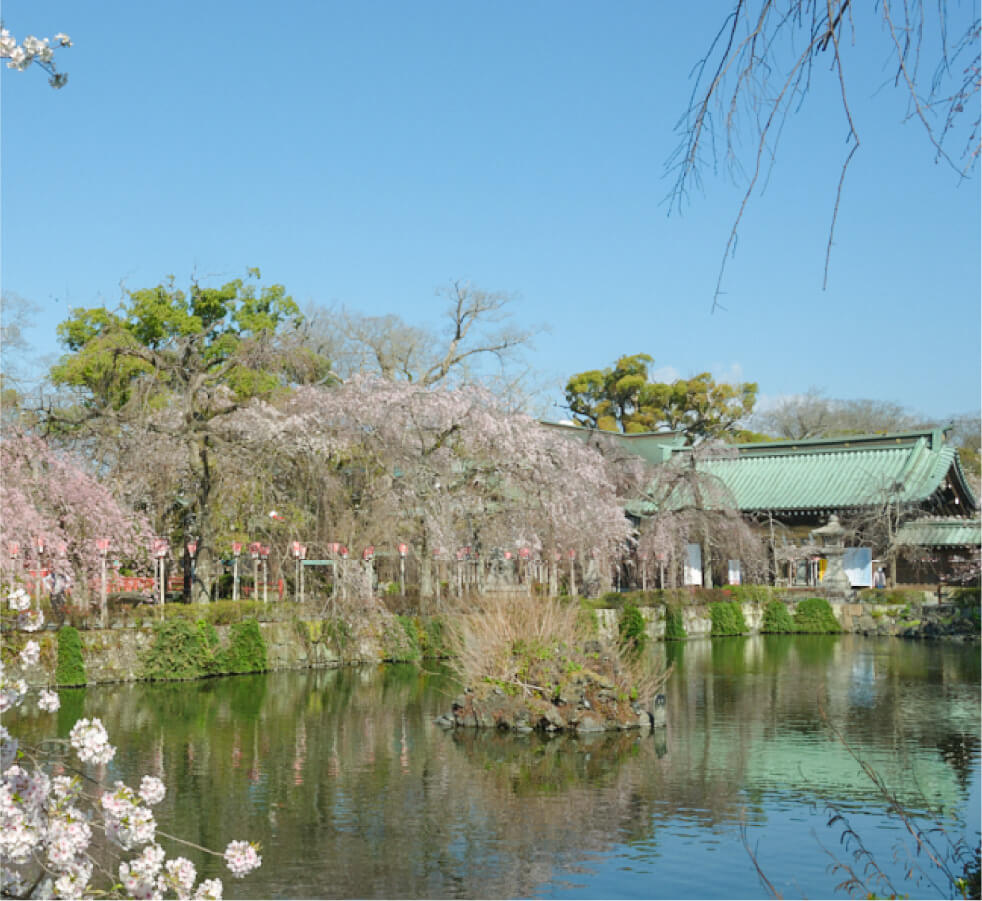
pixel 38 575
pixel 529 567
pixel 40 546
pixel 467 564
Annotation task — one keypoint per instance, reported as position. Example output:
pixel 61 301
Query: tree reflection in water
pixel 353 791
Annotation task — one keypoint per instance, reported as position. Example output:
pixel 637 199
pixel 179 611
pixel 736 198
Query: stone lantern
pixel 831 536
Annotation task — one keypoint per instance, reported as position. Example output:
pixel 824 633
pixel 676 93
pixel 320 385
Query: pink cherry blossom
pixel 48 494
pixel 241 858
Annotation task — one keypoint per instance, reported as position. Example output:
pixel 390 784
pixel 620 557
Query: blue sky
pixel 367 153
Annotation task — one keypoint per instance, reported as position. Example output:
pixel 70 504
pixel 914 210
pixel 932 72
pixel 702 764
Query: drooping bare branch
pixel 759 68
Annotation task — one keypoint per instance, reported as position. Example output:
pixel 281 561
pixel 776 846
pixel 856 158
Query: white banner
pixel 858 564
pixel 733 572
pixel 693 564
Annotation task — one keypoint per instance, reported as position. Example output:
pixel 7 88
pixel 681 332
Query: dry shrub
pixel 485 637
pixel 532 642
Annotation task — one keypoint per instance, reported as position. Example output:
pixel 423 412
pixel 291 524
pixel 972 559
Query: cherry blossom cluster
pixel 27 620
pixel 19 600
pixel 454 467
pixel 47 822
pixel 242 858
pixel 49 495
pixel 33 50
pixel 91 741
pixel 12 692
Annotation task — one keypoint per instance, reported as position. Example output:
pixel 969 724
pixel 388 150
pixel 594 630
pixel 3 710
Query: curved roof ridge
pixel 932 436
pixel 964 484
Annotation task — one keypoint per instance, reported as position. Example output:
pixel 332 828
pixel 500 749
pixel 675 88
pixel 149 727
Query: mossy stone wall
pixel 120 655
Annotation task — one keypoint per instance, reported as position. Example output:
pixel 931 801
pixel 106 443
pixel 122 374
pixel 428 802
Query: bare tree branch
pixel 756 43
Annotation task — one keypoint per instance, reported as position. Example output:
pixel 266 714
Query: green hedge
pixel 657 597
pixel 777 619
pixel 674 624
pixel 900 597
pixel 71 666
pixel 413 636
pixel 727 617
pixel 814 615
pixel 427 636
pixel 630 627
pixel 223 613
pixel 246 651
pixel 185 650
pixel 750 594
pixel 436 640
pixel 966 597
pixel 967 602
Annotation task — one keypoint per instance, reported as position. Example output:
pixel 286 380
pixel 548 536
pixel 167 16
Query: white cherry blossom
pixel 48 700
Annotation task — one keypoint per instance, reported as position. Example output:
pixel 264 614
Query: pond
pixel 354 792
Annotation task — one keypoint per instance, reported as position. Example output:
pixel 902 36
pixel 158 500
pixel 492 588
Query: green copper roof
pixel 820 474
pixel 941 531
pixel 842 473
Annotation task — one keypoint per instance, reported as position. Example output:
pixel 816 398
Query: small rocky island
pixel 604 713
pixel 567 684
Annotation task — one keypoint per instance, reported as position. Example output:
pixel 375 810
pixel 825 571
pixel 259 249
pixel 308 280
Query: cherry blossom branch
pixel 34 51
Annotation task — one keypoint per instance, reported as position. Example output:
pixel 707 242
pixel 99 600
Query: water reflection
pixel 354 792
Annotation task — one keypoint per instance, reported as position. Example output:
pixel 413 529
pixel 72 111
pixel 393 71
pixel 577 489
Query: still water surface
pixel 354 792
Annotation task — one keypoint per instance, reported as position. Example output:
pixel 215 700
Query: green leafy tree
pixel 167 368
pixel 622 399
pixel 614 399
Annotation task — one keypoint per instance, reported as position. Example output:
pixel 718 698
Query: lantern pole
pixel 236 550
pixel 39 544
pixel 254 553
pixel 403 550
pixel 333 548
pixel 296 572
pixel 192 548
pixel 103 545
pixel 264 556
pixel 344 567
pixel 160 547
pixel 303 556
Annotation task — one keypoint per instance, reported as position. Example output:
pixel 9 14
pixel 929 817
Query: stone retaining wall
pixel 931 620
pixel 116 655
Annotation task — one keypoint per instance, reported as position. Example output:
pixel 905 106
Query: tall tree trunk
pixel 204 559
pixel 425 571
pixel 891 546
pixel 707 560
